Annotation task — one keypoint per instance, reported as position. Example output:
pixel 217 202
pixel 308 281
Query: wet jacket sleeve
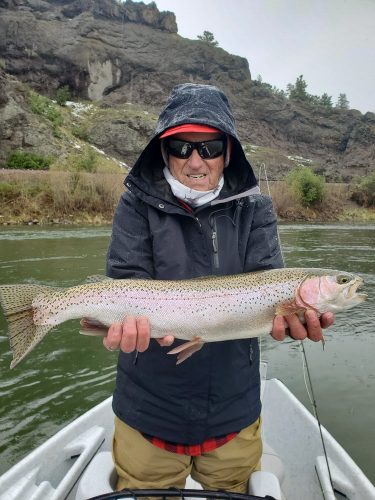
pixel 130 249
pixel 263 247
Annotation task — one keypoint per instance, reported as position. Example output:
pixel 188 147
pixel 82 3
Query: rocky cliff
pixel 115 53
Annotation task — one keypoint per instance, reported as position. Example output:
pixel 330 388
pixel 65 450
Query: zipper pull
pixel 214 241
pixel 199 223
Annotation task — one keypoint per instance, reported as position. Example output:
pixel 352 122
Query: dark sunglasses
pixel 206 149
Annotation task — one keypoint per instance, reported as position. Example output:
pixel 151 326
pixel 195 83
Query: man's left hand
pixel 292 326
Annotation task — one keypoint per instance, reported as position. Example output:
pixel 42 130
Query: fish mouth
pixel 353 289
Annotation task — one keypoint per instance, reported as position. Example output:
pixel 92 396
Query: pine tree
pixel 342 102
pixel 326 100
pixel 298 90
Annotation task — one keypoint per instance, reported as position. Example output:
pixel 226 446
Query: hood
pixel 192 103
pixel 195 103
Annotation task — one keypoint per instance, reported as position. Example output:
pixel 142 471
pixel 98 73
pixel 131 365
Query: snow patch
pixel 299 159
pixel 78 108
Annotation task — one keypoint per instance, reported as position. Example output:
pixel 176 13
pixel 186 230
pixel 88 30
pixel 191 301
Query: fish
pixel 199 310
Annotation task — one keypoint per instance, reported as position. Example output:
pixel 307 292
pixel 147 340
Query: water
pixel 69 373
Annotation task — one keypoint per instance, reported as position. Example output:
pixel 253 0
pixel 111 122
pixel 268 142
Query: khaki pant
pixel 140 464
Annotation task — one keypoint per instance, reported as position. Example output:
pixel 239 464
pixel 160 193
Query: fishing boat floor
pixel 76 463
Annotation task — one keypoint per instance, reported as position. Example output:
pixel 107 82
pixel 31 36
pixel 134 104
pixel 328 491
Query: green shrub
pixel 62 95
pixel 85 161
pixel 23 160
pixel 81 132
pixel 363 191
pixel 43 106
pixel 306 186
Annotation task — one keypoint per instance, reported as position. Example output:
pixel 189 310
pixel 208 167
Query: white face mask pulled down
pixel 191 196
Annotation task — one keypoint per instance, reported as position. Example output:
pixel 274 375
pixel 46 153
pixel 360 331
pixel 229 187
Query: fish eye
pixel 342 280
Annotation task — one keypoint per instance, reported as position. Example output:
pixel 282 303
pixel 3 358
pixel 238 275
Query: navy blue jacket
pixel 216 391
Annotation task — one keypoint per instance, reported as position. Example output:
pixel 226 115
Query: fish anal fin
pixel 93 328
pixel 187 349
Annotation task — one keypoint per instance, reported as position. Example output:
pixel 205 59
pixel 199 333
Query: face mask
pixel 191 196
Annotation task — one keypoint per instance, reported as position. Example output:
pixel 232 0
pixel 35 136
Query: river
pixel 69 373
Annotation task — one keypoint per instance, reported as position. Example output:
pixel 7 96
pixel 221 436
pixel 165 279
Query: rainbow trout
pixel 198 310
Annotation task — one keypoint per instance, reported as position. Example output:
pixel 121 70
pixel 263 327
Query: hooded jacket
pixel 217 390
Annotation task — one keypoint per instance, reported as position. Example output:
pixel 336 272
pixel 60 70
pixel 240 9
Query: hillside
pixel 124 58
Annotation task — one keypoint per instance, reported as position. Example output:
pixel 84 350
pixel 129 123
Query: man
pixel 192 208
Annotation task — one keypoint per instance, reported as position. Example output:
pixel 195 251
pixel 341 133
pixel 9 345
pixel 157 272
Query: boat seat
pixel 271 462
pixel 98 478
pixel 100 475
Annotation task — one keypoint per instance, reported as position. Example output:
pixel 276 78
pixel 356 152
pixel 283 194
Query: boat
pixel 76 463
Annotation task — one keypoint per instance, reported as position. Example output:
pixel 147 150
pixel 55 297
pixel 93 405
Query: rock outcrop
pixel 115 53
pixel 20 128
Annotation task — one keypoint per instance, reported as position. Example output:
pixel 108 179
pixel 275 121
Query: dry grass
pixel 335 206
pixel 57 196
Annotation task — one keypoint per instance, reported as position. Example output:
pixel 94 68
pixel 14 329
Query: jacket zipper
pixel 215 244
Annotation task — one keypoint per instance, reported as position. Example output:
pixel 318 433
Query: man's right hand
pixel 132 335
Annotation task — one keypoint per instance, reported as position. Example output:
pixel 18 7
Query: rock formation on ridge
pixel 115 53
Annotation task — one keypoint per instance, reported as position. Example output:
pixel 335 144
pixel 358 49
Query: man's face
pixel 196 172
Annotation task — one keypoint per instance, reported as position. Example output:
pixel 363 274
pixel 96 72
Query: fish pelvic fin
pixel 24 335
pixel 187 349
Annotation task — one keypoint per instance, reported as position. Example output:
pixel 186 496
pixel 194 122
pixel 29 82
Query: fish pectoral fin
pixel 288 308
pixel 92 328
pixel 187 349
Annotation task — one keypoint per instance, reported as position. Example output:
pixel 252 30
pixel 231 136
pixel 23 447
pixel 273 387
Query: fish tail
pixel 24 335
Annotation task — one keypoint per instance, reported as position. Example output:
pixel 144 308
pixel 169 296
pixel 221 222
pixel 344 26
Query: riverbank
pixel 83 198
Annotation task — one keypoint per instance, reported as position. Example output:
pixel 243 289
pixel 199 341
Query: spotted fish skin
pixel 211 308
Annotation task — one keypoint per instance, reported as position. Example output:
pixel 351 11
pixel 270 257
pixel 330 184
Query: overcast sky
pixel 330 42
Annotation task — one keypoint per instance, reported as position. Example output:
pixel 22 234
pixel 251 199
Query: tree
pixel 326 100
pixel 297 91
pixel 208 38
pixel 342 102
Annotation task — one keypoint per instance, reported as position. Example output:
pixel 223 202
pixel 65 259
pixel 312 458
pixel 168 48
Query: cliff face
pixel 116 53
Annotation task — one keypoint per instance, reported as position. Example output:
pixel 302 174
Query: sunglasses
pixel 206 149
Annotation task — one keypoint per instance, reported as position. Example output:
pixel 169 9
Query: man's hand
pixel 312 329
pixel 132 335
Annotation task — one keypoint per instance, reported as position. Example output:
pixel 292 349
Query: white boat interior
pixel 76 463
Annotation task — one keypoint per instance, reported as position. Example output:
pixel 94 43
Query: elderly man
pixel 192 208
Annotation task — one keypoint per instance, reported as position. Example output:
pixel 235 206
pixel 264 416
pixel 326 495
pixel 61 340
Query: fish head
pixel 335 291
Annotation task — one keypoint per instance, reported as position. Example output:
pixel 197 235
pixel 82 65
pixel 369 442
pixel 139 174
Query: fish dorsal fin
pixel 96 278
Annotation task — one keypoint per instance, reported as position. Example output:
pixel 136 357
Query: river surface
pixel 69 373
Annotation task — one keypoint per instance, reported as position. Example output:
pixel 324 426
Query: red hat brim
pixel 189 127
